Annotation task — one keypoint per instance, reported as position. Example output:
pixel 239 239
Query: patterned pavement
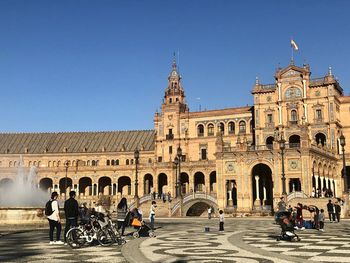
pixel 333 245
pixel 33 246
pixel 184 240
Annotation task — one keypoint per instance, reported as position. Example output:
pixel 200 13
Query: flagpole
pixel 291 46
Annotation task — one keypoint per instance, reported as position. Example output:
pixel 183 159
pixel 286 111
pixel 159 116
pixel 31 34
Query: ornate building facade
pixel 229 158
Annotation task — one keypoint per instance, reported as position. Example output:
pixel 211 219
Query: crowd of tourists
pixel 73 212
pixel 318 193
pixel 316 217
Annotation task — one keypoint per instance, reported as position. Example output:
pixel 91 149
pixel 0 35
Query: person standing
pixel 221 221
pixel 152 214
pixel 209 212
pixel 71 210
pixel 337 211
pixel 331 211
pixel 54 220
pixel 282 205
pixel 122 210
pixel 321 219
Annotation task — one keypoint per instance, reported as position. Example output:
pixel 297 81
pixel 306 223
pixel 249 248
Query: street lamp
pixel 179 156
pixel 66 164
pixel 137 156
pixel 283 147
pixel 176 162
pixel 342 143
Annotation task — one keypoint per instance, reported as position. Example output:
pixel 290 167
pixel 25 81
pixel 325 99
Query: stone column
pixel 146 187
pixel 316 182
pixel 264 190
pixel 335 188
pixel 332 186
pixel 97 190
pixel 257 200
pixel 229 191
pixel 77 190
pixel 321 177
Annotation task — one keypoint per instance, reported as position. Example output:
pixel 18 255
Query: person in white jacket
pixel 54 220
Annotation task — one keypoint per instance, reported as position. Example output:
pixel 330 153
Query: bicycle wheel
pixel 105 237
pixel 75 238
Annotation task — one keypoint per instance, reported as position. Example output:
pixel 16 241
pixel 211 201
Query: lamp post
pixel 66 164
pixel 137 156
pixel 283 147
pixel 176 162
pixel 179 155
pixel 342 143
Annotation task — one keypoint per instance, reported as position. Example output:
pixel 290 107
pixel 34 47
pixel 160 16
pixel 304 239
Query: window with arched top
pixel 292 93
pixel 127 162
pixel 231 127
pixel 93 163
pixel 117 162
pixel 242 127
pixel 210 129
pixel 108 162
pixel 200 130
pixel 222 127
pixel 293 116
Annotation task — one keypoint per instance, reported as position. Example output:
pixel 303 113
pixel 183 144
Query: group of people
pixel 318 193
pixel 73 212
pixel 221 218
pixel 162 196
pixel 317 216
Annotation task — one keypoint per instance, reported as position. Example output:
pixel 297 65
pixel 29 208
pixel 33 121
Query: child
pixel 321 220
pixel 221 221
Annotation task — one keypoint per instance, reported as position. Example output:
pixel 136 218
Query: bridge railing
pixel 195 195
pixel 296 194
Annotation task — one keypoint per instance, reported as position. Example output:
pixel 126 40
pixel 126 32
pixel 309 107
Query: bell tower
pixel 174 96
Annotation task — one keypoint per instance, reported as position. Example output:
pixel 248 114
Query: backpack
pixel 48 208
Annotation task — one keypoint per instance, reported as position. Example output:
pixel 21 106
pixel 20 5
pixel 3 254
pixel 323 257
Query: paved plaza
pixel 184 240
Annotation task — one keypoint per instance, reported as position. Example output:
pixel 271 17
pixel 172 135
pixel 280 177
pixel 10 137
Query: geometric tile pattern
pixel 34 246
pixel 330 246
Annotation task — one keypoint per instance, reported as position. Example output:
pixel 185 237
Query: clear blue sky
pixel 103 65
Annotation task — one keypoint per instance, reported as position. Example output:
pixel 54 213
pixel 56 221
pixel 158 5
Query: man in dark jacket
pixel 71 209
pixel 337 210
pixel 331 211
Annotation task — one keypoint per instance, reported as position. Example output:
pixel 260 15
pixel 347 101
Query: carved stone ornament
pixel 294 165
pixel 230 167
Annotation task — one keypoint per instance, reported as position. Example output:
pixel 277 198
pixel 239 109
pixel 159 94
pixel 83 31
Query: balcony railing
pixel 169 136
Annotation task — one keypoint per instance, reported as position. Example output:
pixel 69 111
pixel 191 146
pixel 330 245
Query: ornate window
pixel 200 130
pixel 292 93
pixel 231 127
pixel 242 127
pixel 210 129
pixel 293 116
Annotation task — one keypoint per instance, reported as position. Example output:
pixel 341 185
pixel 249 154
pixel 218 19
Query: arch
pixel 124 185
pixel 242 127
pixel 93 163
pixel 62 185
pixel 320 138
pixel 185 182
pixel 116 162
pixel 147 184
pixel 199 182
pixel 45 184
pixel 231 127
pixel 212 181
pixel 85 186
pixel 294 141
pixel 108 162
pixel 162 183
pixel 211 131
pixel 198 207
pixel 269 142
pixel 262 186
pixel 294 185
pixel 6 182
pixel 104 185
pixel 112 162
pixel 200 130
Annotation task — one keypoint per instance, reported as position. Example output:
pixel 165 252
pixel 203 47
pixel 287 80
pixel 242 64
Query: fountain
pixel 22 202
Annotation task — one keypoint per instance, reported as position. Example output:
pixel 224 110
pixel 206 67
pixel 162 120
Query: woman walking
pixel 122 210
